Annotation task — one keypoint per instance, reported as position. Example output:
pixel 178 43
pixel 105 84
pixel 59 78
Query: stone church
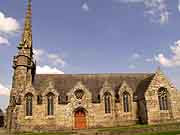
pixel 75 101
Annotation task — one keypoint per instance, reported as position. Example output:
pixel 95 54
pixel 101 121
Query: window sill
pixel 164 111
pixel 50 117
pixel 126 112
pixel 107 114
pixel 28 117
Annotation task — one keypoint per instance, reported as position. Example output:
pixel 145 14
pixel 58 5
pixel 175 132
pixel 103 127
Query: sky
pixel 93 36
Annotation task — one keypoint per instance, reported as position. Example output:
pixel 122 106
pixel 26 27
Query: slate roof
pixel 63 83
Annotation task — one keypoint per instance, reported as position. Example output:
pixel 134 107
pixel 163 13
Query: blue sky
pixel 93 36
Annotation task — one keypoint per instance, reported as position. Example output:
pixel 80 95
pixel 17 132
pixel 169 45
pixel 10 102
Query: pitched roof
pixel 93 82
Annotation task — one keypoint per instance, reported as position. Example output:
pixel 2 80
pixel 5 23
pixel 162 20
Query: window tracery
pixel 126 102
pixel 79 94
pixel 50 102
pixel 29 103
pixel 163 98
pixel 107 102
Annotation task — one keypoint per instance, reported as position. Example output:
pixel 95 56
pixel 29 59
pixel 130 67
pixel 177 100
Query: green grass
pixel 68 133
pixel 162 133
pixel 60 133
pixel 141 128
pixel 132 127
pixel 124 128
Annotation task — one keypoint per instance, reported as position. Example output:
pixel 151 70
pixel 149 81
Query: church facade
pixel 75 101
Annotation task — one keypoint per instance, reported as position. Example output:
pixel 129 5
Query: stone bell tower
pixel 24 70
pixel 23 64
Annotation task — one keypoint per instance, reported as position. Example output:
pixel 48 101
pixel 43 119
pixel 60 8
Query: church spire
pixel 23 64
pixel 26 40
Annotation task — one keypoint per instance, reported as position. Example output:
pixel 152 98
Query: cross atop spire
pixel 26 40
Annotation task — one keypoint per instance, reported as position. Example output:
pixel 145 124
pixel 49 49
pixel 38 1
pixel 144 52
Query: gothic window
pixel 126 102
pixel 66 98
pixel 50 102
pixel 59 99
pixel 29 104
pixel 99 98
pixel 163 99
pixel 79 94
pixel 107 102
pixel 39 99
pixel 117 97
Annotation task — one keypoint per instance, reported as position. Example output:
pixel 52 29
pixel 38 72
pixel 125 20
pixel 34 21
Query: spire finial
pixel 27 33
pixel 159 70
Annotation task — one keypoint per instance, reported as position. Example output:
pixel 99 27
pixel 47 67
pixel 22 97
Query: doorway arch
pixel 80 121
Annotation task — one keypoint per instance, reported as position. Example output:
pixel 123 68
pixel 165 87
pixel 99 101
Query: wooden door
pixel 80 119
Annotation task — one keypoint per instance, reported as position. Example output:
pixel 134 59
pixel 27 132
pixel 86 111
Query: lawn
pixel 68 133
pixel 162 133
pixel 132 130
pixel 62 133
pixel 123 128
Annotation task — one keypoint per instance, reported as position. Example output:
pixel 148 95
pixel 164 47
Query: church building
pixel 47 102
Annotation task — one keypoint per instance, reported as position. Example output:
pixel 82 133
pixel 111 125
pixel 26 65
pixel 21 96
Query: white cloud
pixel 8 25
pixel 38 54
pixel 56 59
pixel 4 91
pixel 48 70
pixel 156 10
pixel 85 7
pixel 174 60
pixel 179 6
pixel 136 56
pixel 42 55
pixel 4 41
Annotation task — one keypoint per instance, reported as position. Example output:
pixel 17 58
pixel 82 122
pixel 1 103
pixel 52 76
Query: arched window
pixel 117 98
pixel 59 99
pixel 29 104
pixel 107 102
pixel 66 98
pixel 99 98
pixel 39 99
pixel 163 99
pixel 50 102
pixel 126 102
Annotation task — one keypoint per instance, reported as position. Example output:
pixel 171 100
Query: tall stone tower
pixel 23 64
pixel 24 70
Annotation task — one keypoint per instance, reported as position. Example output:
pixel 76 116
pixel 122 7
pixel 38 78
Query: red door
pixel 80 119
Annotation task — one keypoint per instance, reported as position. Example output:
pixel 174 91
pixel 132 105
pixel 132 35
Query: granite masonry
pixel 74 101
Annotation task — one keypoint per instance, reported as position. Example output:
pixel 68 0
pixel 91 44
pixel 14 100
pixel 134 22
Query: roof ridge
pixel 140 73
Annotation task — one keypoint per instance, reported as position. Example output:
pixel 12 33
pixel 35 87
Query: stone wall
pixel 155 115
pixel 146 110
pixel 63 117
